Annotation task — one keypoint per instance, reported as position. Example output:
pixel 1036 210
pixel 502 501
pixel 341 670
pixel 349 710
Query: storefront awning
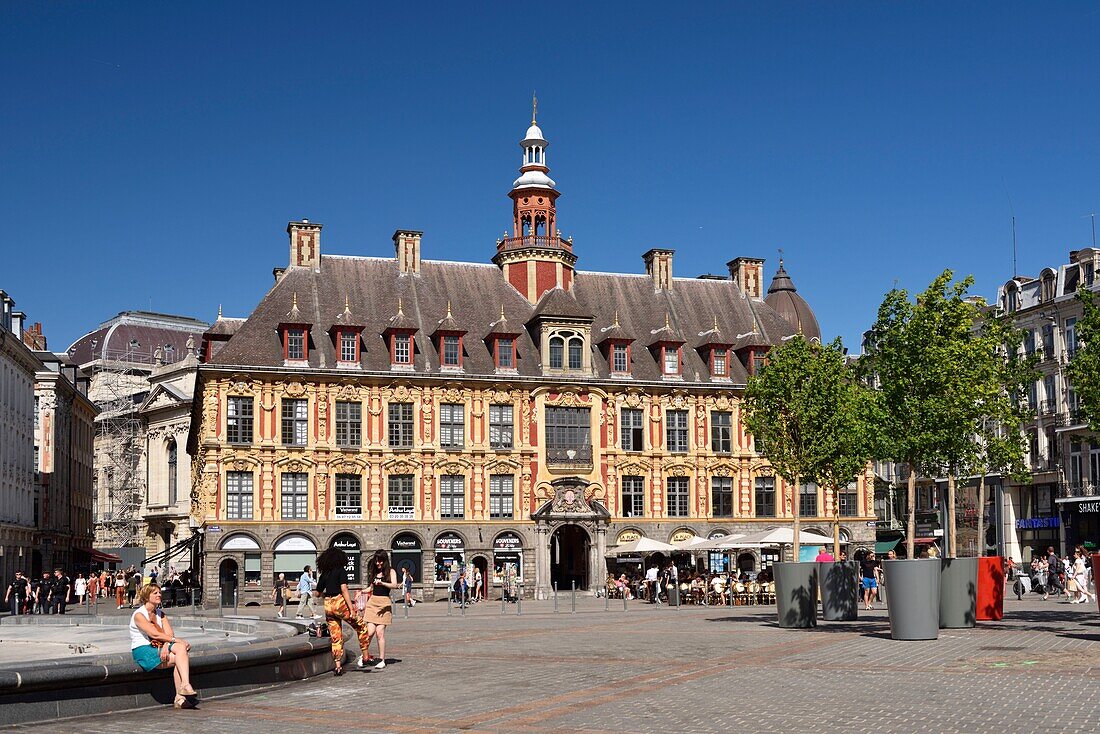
pixel 885 546
pixel 99 556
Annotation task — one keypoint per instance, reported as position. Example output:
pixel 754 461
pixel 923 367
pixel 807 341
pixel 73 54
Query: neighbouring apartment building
pixel 520 416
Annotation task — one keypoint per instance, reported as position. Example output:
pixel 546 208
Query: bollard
pixel 574 600
pixel 503 594
pixel 236 602
pixel 625 594
pixel 463 602
pixel 607 600
pixel 674 597
pixel 519 599
pixel 450 593
pixel 406 610
pixel 555 597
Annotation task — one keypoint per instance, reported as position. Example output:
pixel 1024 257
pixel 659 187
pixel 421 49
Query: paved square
pixel 687 670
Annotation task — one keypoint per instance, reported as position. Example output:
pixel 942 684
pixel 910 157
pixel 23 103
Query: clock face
pixel 570 496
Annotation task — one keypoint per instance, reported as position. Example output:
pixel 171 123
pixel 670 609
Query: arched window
pixel 576 349
pixel 172 460
pixel 557 346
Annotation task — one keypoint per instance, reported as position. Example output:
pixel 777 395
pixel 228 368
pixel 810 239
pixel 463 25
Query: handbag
pixel 286 592
pixel 1071 584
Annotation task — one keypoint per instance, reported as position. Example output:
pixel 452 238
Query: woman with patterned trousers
pixel 333 586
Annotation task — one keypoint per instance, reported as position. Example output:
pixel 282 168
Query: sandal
pixel 183 702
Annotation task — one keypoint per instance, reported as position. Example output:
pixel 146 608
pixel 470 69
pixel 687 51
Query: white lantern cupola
pixel 534 168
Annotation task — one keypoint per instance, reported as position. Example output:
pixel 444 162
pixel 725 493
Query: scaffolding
pixel 121 378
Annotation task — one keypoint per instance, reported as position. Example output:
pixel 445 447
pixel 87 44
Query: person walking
pixel 153 645
pixel 1081 577
pixel 17 592
pixel 379 612
pixel 93 588
pixel 60 592
pixel 278 595
pixel 80 588
pixel 1054 577
pixel 651 583
pixel 407 585
pixel 306 585
pixel 103 583
pixel 120 588
pixel 869 570
pixel 478 590
pixel 333 586
pixel 133 581
pixel 824 556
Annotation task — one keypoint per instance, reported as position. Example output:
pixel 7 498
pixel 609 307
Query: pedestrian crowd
pixel 54 592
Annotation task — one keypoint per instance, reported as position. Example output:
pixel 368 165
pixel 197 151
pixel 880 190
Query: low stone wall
pixel 280 653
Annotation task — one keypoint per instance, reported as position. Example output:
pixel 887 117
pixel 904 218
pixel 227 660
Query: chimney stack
pixel 748 274
pixel 406 243
pixel 658 264
pixel 34 338
pixel 305 244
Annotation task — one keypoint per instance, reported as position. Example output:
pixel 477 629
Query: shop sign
pixel 1088 507
pixel 449 542
pixel 406 543
pixel 629 559
pixel 214 529
pixel 507 541
pixel 346 543
pixel 400 513
pixel 628 536
pixel 347 513
pixel 681 535
pixel 1036 523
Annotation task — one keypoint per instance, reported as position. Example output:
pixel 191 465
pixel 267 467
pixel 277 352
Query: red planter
pixel 991 588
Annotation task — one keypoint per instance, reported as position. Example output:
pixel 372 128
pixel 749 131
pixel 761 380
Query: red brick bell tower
pixel 534 258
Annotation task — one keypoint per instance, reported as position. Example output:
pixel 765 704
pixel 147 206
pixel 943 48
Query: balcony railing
pixel 1083 489
pixel 516 243
pixel 1047 407
pixel 571 456
pixel 1072 418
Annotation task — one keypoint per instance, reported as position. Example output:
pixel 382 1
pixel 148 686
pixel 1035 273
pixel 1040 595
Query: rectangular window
pixel 632 429
pixel 633 496
pixel 1029 342
pixel 402 349
pixel 721 496
pixel 295 495
pixel 576 353
pixel 349 342
pixel 720 366
pixel 620 358
pixel 401 425
pixel 765 496
pixel 506 353
pixel 807 500
pixel 849 506
pixel 676 431
pixel 1071 338
pixel 238 495
pixel 671 360
pixel 721 431
pixel 500 426
pixel 349 424
pixel 400 496
pixel 349 496
pixel 295 421
pixel 568 436
pixel 452 354
pixel 452 426
pixel 677 489
pixel 238 424
pixel 452 497
pixel 501 496
pixel 296 344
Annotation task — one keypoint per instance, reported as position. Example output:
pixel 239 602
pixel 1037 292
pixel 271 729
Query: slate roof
pixel 477 292
pixel 783 297
pixel 136 335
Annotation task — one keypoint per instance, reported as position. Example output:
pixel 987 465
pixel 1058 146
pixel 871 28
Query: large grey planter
pixel 914 598
pixel 958 592
pixel 796 593
pixel 839 590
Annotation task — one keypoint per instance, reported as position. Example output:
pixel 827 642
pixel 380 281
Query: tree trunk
pixel 795 507
pixel 981 515
pixel 836 523
pixel 952 549
pixel 911 514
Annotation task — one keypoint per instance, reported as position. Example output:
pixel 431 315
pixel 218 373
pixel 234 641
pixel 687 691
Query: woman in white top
pixel 154 645
pixel 1081 577
pixel 80 588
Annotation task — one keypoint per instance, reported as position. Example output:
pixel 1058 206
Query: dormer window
pixel 620 358
pixel 452 350
pixel 576 353
pixel 557 350
pixel 295 342
pixel 505 353
pixel 566 349
pixel 670 360
pixel 719 362
pixel 401 349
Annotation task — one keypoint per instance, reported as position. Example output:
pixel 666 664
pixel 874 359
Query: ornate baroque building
pixel 519 413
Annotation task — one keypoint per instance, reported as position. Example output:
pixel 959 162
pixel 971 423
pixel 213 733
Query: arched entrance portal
pixel 481 564
pixel 227 580
pixel 569 548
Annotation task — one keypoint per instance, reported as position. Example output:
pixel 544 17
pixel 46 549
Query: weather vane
pixel 534 107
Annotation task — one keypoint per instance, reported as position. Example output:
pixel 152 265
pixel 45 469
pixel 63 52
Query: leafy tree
pixel 1084 368
pixel 808 414
pixel 914 351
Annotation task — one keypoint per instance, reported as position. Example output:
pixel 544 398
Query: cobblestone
pixel 693 669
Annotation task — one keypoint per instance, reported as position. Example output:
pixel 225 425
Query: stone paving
pixel 684 670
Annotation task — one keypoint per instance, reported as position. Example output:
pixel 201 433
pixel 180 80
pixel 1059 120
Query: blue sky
pixel 151 154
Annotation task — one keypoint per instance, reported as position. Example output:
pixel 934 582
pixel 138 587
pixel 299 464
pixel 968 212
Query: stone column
pixel 601 555
pixel 542 562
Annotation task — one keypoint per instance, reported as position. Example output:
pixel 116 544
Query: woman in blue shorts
pixel 154 645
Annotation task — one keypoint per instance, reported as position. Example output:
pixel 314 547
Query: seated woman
pixel 154 645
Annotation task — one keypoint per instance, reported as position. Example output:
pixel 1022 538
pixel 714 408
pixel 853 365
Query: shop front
pixel 292 554
pixel 507 559
pixel 353 550
pixel 450 556
pixel 1080 517
pixel 406 553
pixel 717 561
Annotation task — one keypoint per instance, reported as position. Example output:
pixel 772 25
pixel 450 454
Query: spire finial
pixel 448 309
pixel 616 322
pixel 667 326
pixel 502 312
pixel 780 256
pixel 716 322
pixel 400 311
pixel 347 307
pixel 219 311
pixel 294 304
pixel 534 107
